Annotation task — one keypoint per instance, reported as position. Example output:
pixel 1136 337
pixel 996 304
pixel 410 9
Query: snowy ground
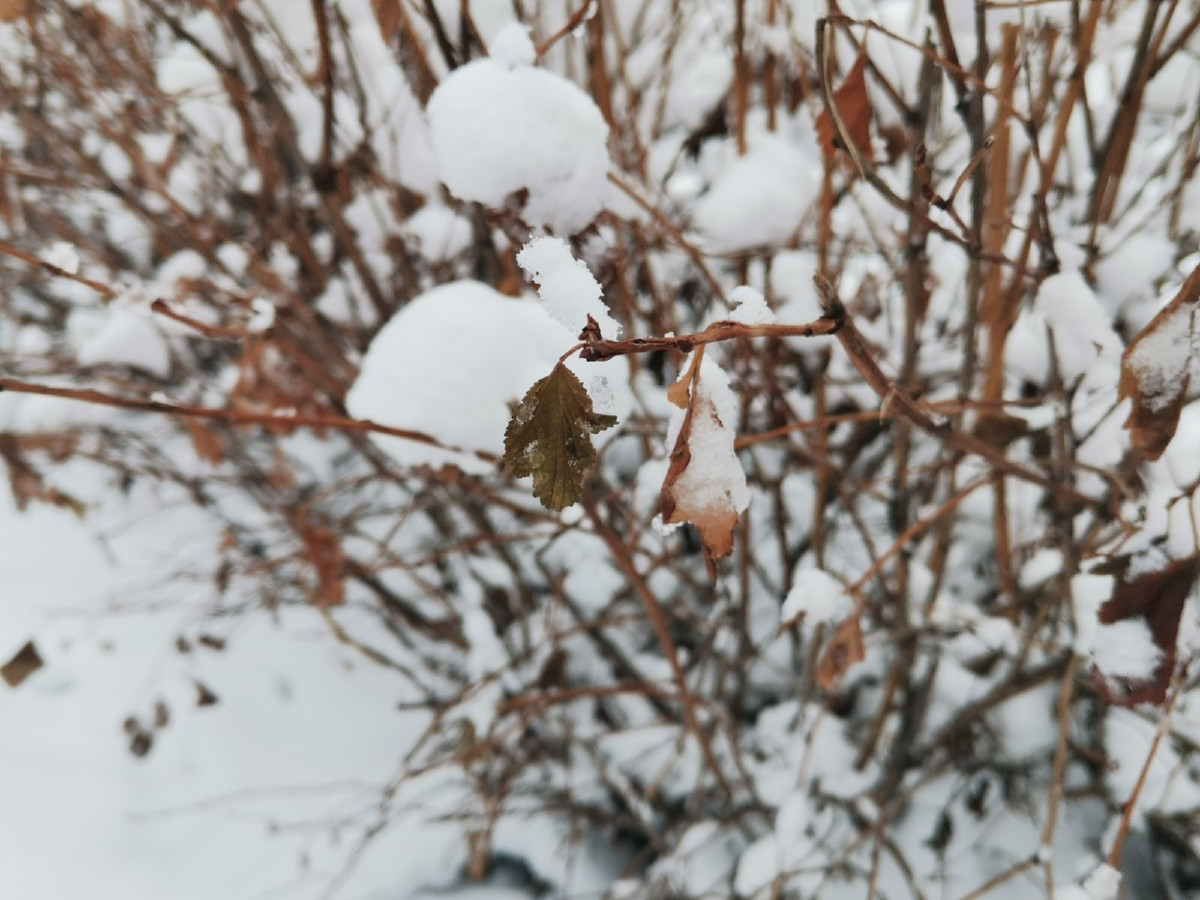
pixel 245 797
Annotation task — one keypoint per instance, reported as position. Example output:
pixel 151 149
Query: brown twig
pixel 233 416
pixel 571 24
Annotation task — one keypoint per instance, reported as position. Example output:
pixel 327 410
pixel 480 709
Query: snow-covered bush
pixel 852 358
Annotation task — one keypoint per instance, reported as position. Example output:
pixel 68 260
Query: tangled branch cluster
pixel 209 210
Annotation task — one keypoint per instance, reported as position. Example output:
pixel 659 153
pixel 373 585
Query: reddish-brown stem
pixel 601 349
pixel 231 416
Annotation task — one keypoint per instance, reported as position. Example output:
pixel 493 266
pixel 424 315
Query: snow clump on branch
pixel 499 127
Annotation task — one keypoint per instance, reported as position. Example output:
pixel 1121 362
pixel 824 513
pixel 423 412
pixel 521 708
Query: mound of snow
pixel 128 338
pixel 759 199
pixel 497 130
pixel 451 362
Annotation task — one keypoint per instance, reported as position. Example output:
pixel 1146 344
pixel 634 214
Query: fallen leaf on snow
pixel 24 663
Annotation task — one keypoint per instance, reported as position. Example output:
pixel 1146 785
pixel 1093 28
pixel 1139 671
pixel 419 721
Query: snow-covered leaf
pixel 705 483
pixel 1150 604
pixel 1156 370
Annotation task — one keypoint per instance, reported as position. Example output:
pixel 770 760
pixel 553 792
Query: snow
pixel 1084 341
pixel 512 46
pixel 1126 649
pixel 703 83
pixel 262 315
pixel 750 307
pixel 1163 355
pixel 1103 884
pixel 128 338
pixel 63 255
pixel 440 233
pixel 569 291
pixel 217 780
pixel 759 199
pixel 1125 275
pixel 269 791
pixel 817 596
pixel 714 479
pixel 497 130
pixel 467 341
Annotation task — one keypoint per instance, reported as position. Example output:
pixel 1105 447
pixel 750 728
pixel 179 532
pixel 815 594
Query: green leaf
pixel 548 437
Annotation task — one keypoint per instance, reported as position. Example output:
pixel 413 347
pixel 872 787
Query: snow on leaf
pixel 548 437
pixel 705 483
pixel 1155 370
pixel 1155 598
pixel 854 105
pixel 569 291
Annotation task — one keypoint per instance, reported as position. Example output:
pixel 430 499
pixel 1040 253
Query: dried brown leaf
pixel 324 551
pixel 999 429
pixel 854 105
pixel 1157 598
pixel 206 441
pixel 844 650
pixel 1155 370
pixel 677 393
pixel 11 10
pixel 549 437
pixel 27 483
pixel 23 663
pixel 162 714
pixel 205 696
pixel 211 641
pixel 707 503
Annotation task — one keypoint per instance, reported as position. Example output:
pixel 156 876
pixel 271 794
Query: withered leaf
pixel 999 429
pixel 211 641
pixel 854 105
pixel 24 663
pixel 208 443
pixel 548 437
pixel 709 494
pixel 27 482
pixel 11 10
pixel 205 695
pixel 845 649
pixel 325 553
pixel 162 714
pixel 140 742
pixel 1157 598
pixel 1155 370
